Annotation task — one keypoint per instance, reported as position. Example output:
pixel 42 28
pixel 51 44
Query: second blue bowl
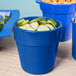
pixel 63 13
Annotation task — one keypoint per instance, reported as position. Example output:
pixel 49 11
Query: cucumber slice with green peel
pixel 2 22
pixel 22 22
pixel 35 20
pixel 50 26
pixel 34 25
pixel 25 22
pixel 25 26
pixel 5 21
pixel 7 18
pixel 43 28
pixel 43 22
pixel 47 23
pixel 30 28
pixel 52 22
pixel 43 19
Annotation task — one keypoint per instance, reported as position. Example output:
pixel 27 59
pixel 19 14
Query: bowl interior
pixel 40 1
pixel 31 18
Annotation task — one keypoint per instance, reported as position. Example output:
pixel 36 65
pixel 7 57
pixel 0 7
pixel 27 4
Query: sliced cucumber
pixel 34 25
pixel 42 28
pixel 25 22
pixel 25 26
pixel 7 18
pixel 38 24
pixel 30 28
pixel 43 23
pixel 35 20
pixel 50 26
pixel 22 22
pixel 52 22
pixel 2 22
pixel 43 19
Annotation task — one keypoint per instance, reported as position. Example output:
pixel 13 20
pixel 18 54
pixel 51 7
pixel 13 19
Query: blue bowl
pixel 37 49
pixel 74 39
pixel 63 13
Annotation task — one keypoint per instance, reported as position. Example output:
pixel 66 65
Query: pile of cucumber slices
pixel 3 22
pixel 38 24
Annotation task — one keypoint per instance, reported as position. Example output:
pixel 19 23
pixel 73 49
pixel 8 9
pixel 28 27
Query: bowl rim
pixel 40 1
pixel 60 25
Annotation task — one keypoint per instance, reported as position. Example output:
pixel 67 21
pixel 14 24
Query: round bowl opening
pixel 34 17
pixel 40 1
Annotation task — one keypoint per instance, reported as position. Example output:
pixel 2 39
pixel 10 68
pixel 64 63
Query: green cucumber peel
pixel 52 22
pixel 35 20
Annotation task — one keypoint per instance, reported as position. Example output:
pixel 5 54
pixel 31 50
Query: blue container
pixel 6 30
pixel 74 39
pixel 63 13
pixel 37 50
